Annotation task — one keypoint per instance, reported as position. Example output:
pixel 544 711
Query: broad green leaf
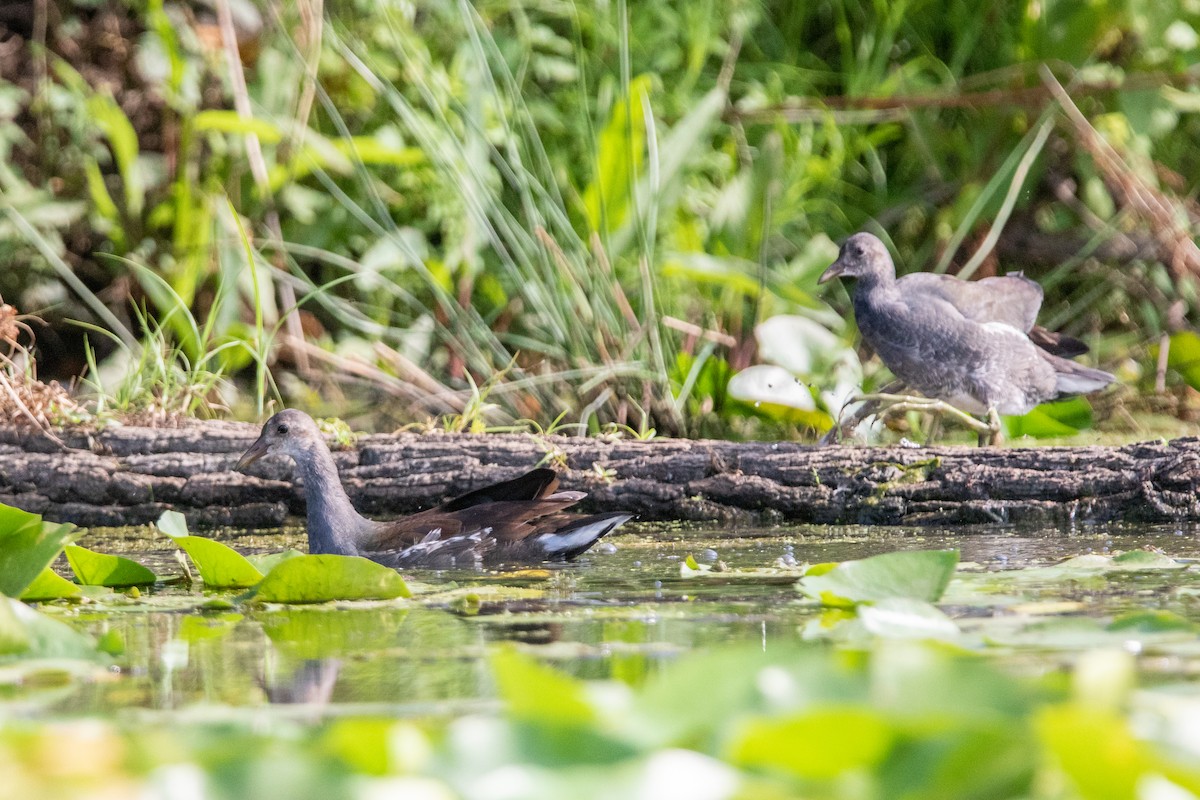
pixel 49 585
pixel 1095 749
pixel 220 566
pixel 915 574
pixel 906 618
pixel 818 745
pixel 173 524
pixel 14 637
pixel 1184 357
pixel 1136 560
pixel 27 546
pixel 535 692
pixel 1151 621
pixel 1064 418
pixel 101 569
pixel 47 638
pixel 265 562
pixel 321 578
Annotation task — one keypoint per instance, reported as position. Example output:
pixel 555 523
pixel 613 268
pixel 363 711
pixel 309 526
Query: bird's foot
pixel 988 432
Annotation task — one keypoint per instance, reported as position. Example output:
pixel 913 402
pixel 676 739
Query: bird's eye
pixel 281 429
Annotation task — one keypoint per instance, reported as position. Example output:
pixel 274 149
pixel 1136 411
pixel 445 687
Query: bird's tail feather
pixel 573 539
pixel 1075 378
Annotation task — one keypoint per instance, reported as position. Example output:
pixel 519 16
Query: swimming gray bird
pixel 520 520
pixel 970 344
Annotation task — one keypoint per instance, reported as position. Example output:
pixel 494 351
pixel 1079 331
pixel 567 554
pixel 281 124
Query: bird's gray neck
pixel 334 526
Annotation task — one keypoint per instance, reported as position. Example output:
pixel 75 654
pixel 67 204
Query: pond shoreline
pixel 128 475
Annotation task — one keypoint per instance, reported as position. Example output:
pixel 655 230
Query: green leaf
pixel 224 121
pixel 1184 357
pixel 535 692
pixel 1151 621
pixel 173 524
pixel 1064 418
pixel 1095 749
pixel 45 637
pixel 1138 560
pixel 817 745
pixel 101 569
pixel 14 637
pixel 914 574
pixel 905 618
pixel 27 546
pixel 321 578
pixel 220 566
pixel 49 585
pixel 265 562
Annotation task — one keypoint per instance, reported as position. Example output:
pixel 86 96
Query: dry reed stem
pixel 1163 213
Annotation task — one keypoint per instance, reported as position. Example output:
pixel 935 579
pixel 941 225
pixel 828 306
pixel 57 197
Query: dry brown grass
pixel 25 401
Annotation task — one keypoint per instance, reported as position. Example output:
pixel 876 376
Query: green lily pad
pixel 173 524
pixel 101 569
pixel 265 562
pixel 28 544
pixel 321 578
pixel 905 618
pixel 220 566
pixel 25 633
pixel 915 574
pixel 49 585
pixel 819 745
pixel 539 693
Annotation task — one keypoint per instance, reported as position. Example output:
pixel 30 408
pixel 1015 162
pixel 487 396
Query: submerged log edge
pixel 128 476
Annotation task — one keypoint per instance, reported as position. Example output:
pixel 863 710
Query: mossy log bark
pixel 125 476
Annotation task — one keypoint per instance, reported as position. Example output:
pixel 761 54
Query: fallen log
pixel 129 475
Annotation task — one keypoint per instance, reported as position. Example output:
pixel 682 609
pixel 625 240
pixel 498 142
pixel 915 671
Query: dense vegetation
pixel 577 213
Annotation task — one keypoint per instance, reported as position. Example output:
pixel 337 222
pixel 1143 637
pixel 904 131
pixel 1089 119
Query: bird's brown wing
pixel 533 485
pixel 506 509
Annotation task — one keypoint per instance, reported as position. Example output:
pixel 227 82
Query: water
pixel 622 611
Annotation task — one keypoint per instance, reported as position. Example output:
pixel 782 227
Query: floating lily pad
pixel 25 633
pixel 321 578
pixel 266 562
pixel 905 618
pixel 915 574
pixel 220 566
pixel 49 585
pixel 101 569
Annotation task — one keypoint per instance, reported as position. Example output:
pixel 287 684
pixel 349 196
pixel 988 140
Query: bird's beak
pixel 835 269
pixel 256 451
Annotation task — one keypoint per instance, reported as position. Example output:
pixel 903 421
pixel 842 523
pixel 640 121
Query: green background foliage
pixel 579 214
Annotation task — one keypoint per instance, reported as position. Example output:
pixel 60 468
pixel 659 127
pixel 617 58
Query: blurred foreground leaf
pixel 28 544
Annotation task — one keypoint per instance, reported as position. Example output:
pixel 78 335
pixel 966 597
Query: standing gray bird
pixel 969 344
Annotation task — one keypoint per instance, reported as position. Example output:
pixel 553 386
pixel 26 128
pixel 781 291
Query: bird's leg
pixel 906 403
pixel 935 430
pixel 995 436
pixel 868 408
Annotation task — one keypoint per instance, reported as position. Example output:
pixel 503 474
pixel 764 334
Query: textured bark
pixel 126 476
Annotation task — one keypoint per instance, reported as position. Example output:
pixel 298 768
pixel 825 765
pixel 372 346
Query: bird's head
pixel 862 256
pixel 289 432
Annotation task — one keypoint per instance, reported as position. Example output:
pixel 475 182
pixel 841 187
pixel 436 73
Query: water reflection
pixel 622 614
